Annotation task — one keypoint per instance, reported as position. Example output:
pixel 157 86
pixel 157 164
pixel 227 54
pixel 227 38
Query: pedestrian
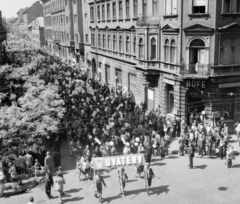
pixel 99 182
pixel 59 182
pixel 29 163
pixel 71 147
pixel 181 145
pixel 221 148
pixel 31 200
pixel 229 156
pixel 48 162
pixel 209 144
pixel 123 178
pixel 191 155
pixel 149 175
pixel 48 184
pixel 78 168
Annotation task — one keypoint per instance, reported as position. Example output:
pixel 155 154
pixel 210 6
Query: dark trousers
pixel 149 182
pixel 229 163
pixel 191 161
pixel 221 152
pixel 209 152
pixel 174 131
pixel 48 191
pixel 181 151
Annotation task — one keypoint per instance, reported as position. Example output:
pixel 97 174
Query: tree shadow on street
pixel 200 167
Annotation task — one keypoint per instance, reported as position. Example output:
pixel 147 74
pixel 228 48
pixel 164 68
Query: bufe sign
pixel 196 83
pixel 114 161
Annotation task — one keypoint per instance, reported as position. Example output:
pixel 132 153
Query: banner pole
pixel 146 181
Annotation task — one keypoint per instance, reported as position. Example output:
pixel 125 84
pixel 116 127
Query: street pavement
pixel 209 182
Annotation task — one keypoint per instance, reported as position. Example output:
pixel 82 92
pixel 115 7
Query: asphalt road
pixel 209 182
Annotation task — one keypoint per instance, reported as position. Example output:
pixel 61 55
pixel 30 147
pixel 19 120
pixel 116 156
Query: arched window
pixel 197 58
pixel 128 44
pixel 114 43
pixel 109 42
pixel 153 49
pixel 173 52
pixel 103 41
pixel 134 45
pixel 120 44
pixel 99 40
pixel 141 54
pixel 166 51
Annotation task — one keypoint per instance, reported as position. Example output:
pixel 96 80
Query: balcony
pixel 148 21
pixel 196 71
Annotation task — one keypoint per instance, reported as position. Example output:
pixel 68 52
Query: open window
pixel 200 6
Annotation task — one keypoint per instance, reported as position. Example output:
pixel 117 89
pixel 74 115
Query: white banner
pixel 114 161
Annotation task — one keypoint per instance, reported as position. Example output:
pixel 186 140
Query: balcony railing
pixel 148 20
pixel 196 71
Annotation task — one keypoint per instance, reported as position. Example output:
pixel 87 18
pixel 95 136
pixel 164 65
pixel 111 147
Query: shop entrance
pixel 194 102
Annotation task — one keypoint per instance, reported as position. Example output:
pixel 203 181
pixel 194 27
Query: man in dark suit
pixel 149 174
pixel 191 155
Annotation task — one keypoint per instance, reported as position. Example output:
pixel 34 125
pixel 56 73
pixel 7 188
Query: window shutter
pixel 168 7
pixel 174 6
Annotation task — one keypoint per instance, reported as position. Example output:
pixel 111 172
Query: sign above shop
pixel 229 85
pixel 195 83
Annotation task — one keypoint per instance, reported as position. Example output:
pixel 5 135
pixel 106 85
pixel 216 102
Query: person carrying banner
pixel 98 182
pixel 149 175
pixel 123 178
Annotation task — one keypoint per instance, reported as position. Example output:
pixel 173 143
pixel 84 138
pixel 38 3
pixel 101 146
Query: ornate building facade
pixel 181 56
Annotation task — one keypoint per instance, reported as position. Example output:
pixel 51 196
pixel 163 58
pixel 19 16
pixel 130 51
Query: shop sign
pixel 114 161
pixel 229 85
pixel 196 83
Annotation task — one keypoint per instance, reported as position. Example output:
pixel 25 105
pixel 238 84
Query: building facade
pixel 172 54
pixel 38 38
pixel 63 30
pixel 29 15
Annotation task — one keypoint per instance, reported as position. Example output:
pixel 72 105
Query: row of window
pixel 117 43
pixel 108 11
pixel 58 20
pixel 198 6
